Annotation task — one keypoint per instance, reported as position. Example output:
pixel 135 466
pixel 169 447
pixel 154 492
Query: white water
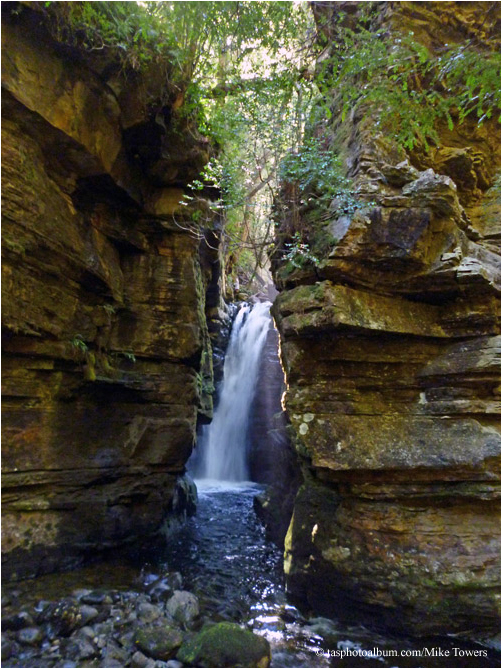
pixel 223 442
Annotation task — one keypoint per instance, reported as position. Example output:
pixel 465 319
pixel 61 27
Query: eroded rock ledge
pixel 107 352
pixel 391 350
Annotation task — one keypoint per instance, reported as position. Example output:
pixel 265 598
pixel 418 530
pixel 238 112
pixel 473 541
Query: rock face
pixel 272 460
pixel 392 357
pixel 107 354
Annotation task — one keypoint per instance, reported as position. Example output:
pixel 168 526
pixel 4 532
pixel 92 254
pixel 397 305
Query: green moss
pixel 225 645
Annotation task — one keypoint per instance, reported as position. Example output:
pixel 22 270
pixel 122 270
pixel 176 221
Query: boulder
pixel 159 642
pixel 183 606
pixel 225 645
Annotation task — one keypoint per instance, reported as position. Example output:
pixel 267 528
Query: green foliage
pixel 403 86
pixel 128 356
pixel 132 31
pixel 474 80
pixel 78 343
pixel 247 72
pixel 298 253
pixel 195 37
pixel 319 175
pixel 253 111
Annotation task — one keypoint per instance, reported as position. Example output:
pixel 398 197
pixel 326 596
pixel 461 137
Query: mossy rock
pixel 160 643
pixel 225 645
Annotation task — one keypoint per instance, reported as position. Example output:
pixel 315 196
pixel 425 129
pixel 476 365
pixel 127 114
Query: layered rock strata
pixel 272 459
pixel 391 351
pixel 107 354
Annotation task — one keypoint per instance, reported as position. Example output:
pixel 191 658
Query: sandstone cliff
pixel 107 354
pixel 392 358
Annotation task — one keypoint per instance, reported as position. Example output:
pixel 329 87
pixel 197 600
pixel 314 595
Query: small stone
pixel 8 647
pixel 147 613
pixel 139 660
pixel 159 591
pixel 161 643
pixel 114 652
pixel 30 636
pixel 87 631
pixel 41 606
pixel 64 616
pixel 81 592
pixel 96 598
pixel 183 606
pixel 174 580
pixel 109 663
pixel 88 613
pixel 80 648
pixel 17 621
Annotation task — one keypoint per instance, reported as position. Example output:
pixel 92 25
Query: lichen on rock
pixel 104 301
pixel 390 345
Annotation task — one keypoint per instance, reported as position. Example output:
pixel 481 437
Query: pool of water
pixel 226 560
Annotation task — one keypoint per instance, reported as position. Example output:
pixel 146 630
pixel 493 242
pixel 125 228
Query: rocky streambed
pixel 213 598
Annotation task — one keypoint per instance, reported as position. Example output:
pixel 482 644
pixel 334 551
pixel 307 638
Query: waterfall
pixel 223 442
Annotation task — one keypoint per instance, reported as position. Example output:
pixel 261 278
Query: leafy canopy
pixel 248 72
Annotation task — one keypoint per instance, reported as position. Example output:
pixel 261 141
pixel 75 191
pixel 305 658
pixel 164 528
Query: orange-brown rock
pixel 391 351
pixel 107 355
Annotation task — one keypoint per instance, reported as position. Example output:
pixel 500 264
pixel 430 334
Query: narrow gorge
pixel 251 317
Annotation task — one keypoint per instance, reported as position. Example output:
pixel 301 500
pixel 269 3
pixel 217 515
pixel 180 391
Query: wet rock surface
pixel 226 645
pixel 105 318
pixel 242 605
pixel 121 625
pixel 391 350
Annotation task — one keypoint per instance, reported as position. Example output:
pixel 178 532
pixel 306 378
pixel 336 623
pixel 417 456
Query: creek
pixel 225 559
pixel 227 562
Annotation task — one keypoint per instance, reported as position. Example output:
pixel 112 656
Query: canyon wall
pixel 107 298
pixel 391 350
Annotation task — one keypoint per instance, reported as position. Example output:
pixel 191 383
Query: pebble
pixel 8 648
pixel 88 632
pixel 41 606
pixel 139 660
pixel 30 636
pixel 17 621
pixel 160 642
pixel 183 606
pixel 96 597
pixel 99 627
pixel 88 613
pixel 114 652
pixel 81 592
pixel 147 613
pixel 80 648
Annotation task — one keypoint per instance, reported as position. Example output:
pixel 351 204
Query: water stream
pixel 223 443
pixel 226 560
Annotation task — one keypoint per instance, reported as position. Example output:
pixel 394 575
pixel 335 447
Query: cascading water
pixel 223 442
pixel 224 558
